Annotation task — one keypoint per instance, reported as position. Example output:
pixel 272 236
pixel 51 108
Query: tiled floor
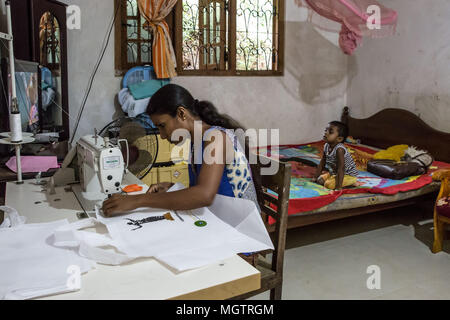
pixel 330 260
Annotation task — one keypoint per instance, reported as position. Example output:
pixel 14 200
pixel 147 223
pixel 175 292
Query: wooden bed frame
pixel 382 130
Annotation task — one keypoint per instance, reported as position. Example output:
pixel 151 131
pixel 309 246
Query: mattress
pixel 307 197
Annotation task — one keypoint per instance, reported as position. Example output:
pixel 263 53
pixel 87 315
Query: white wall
pixel 311 93
pixel 410 70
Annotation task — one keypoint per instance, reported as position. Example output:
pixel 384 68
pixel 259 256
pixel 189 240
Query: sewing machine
pixel 101 169
pixel 98 165
pixel 101 165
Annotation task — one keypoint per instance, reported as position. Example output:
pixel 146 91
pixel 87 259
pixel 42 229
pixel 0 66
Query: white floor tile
pixel 330 260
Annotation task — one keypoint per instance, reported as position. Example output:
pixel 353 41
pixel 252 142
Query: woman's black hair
pixel 167 100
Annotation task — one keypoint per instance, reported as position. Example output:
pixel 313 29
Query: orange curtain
pixel 154 11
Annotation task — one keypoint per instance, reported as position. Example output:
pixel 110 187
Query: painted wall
pixel 300 103
pixel 410 70
pixel 3 27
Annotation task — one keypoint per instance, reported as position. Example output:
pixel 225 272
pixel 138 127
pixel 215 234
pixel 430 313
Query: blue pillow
pixel 145 89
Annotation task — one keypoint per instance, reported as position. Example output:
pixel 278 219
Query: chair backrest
pixel 443 175
pixel 445 188
pixel 273 197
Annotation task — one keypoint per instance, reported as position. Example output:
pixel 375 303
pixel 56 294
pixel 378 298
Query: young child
pixel 336 158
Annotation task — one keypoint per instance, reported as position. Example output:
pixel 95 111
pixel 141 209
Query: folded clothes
pixel 130 105
pixel 145 89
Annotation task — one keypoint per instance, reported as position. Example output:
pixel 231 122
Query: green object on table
pixel 200 223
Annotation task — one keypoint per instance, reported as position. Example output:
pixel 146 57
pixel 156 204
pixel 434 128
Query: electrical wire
pixel 91 80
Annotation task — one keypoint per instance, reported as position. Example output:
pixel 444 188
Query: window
pixel 234 37
pixel 49 35
pixel 133 41
pixel 210 37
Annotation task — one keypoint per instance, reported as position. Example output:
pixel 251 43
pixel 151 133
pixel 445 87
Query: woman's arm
pixel 198 196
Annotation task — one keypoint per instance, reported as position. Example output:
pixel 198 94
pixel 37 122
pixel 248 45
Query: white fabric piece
pixel 233 226
pixel 131 106
pixel 11 218
pixel 31 267
pixel 88 244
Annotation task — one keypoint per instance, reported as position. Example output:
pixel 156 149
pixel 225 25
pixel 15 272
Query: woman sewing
pixel 223 169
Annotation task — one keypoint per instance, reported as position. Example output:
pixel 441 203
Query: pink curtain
pixel 355 18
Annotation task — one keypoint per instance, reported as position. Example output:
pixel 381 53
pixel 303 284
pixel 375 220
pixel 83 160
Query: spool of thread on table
pixel 16 127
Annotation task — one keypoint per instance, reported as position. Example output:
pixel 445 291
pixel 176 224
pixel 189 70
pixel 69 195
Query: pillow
pixel 145 89
pixel 392 153
pixel 443 206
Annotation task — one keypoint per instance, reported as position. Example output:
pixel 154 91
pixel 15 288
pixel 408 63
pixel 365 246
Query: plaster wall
pixel 300 103
pixel 410 70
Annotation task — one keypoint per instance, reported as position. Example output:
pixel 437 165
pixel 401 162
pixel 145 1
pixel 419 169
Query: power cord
pixel 91 80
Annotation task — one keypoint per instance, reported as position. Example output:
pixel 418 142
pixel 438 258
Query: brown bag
pixel 392 169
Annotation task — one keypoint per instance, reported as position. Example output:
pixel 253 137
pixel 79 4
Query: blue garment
pixel 225 187
pixel 236 179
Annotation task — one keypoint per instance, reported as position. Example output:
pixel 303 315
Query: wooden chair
pixel 439 219
pixel 272 273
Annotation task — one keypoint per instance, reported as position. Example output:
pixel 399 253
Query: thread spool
pixel 15 124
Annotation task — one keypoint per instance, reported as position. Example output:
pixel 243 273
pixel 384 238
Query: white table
pixel 139 279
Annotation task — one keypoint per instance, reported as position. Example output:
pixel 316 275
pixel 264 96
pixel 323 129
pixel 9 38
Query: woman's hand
pixel 160 187
pixel 119 204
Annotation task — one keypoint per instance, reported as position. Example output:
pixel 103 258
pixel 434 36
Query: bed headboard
pixel 397 126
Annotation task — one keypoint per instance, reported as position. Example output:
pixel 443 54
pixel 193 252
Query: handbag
pixel 424 158
pixel 392 169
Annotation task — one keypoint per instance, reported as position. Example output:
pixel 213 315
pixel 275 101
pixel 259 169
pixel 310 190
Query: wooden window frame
pixel 278 36
pixel 120 36
pixel 174 20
